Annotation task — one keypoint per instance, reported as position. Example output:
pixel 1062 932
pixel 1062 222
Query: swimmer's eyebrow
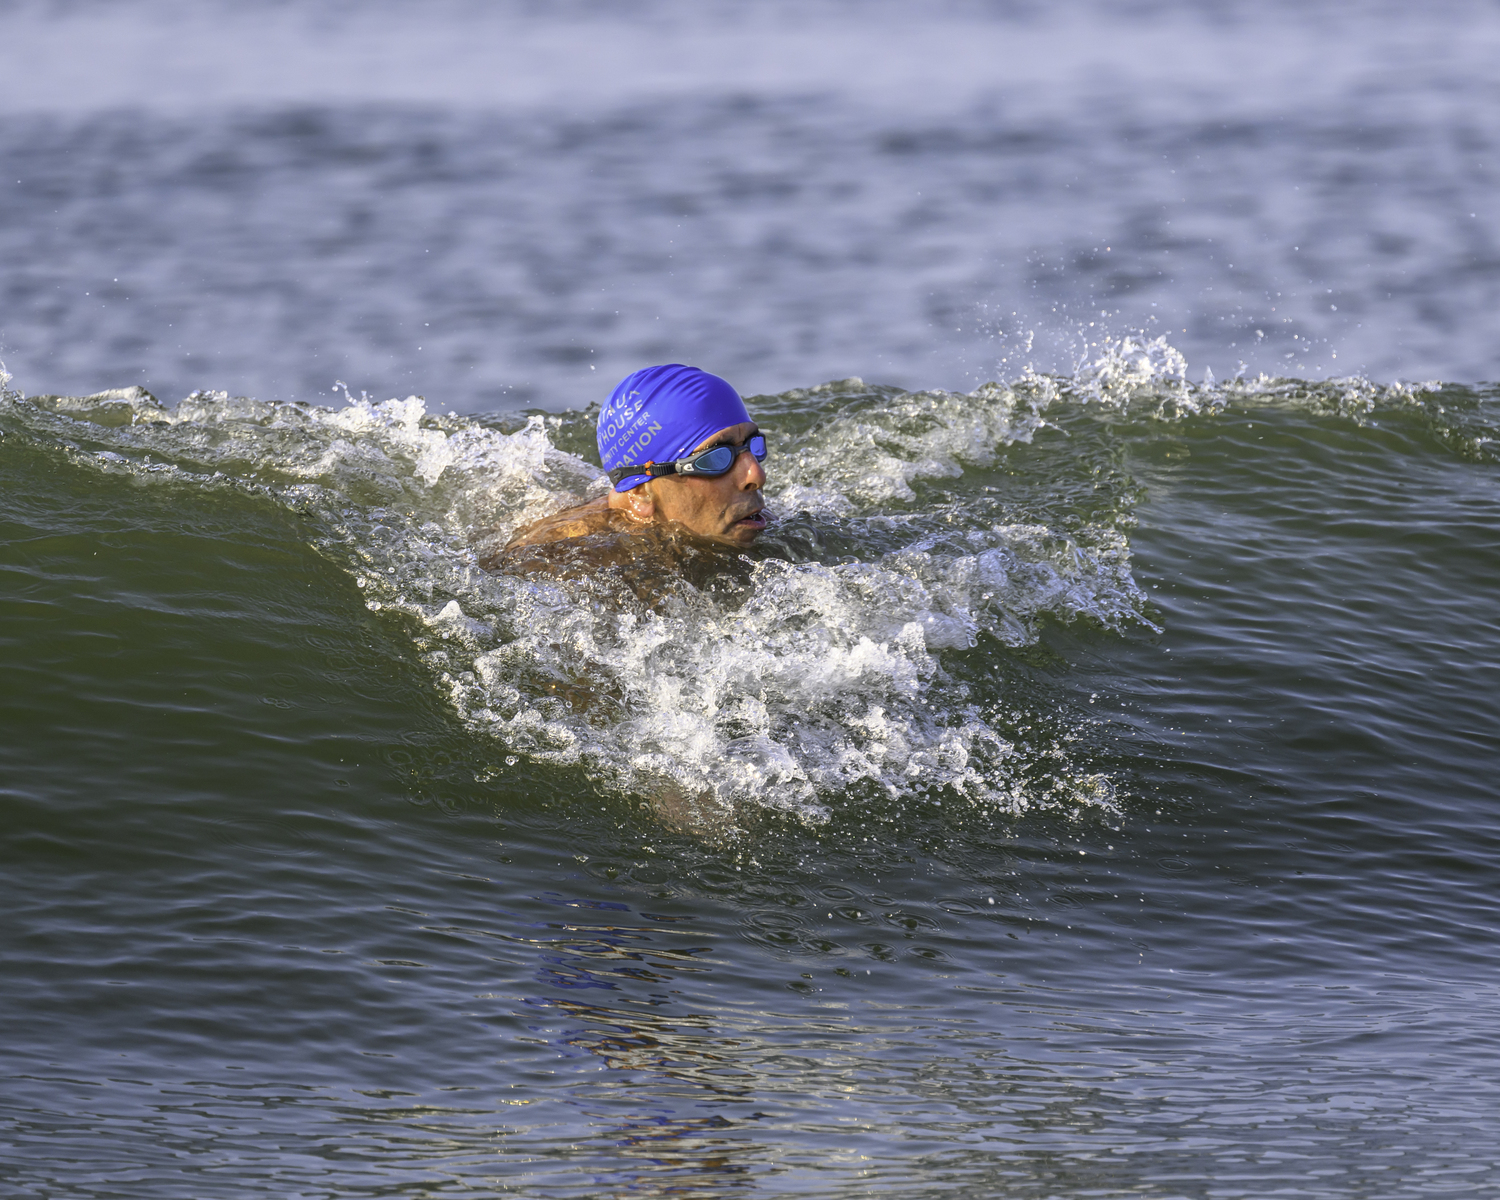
pixel 723 440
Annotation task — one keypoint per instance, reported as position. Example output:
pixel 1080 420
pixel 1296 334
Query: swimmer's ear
pixel 637 502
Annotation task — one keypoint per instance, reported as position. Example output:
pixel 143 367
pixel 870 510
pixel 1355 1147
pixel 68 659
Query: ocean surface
pixel 1084 788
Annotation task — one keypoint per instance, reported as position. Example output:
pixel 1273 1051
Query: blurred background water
pixel 1095 773
pixel 481 202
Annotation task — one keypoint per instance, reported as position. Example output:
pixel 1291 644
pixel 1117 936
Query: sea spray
pixel 915 531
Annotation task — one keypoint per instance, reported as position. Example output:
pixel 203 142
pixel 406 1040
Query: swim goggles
pixel 716 461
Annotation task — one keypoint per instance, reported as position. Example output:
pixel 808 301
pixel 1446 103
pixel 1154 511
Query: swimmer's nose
pixel 754 476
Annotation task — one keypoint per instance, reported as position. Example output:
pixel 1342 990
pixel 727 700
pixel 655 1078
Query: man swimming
pixel 684 459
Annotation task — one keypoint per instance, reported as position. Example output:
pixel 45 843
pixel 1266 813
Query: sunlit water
pixel 1085 787
pixel 1093 793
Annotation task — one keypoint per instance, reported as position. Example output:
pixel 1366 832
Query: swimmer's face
pixel 725 507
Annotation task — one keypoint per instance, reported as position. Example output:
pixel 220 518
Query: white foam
pixel 856 460
pixel 815 678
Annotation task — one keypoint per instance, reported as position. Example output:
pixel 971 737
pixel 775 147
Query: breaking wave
pixel 918 535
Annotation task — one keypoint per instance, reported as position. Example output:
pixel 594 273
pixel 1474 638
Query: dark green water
pixel 1097 785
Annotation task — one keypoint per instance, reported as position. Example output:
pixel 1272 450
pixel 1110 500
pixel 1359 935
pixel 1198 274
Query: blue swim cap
pixel 658 414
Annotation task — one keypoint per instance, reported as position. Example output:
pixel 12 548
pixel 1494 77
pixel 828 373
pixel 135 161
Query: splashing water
pixel 915 531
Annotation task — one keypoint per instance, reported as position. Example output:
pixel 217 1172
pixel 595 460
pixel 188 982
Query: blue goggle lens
pixel 718 460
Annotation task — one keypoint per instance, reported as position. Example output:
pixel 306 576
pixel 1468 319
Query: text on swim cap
pixel 640 443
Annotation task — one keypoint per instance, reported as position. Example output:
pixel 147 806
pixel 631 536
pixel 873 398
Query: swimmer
pixel 684 464
pixel 684 461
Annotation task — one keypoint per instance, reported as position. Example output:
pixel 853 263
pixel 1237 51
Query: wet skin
pixel 725 509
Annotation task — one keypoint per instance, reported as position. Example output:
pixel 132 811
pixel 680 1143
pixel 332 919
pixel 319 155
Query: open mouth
pixel 755 520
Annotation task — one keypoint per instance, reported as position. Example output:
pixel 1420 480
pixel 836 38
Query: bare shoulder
pixel 593 517
pixel 653 560
pixel 574 543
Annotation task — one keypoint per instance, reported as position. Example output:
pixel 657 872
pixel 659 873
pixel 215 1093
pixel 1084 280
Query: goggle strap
pixel 653 469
